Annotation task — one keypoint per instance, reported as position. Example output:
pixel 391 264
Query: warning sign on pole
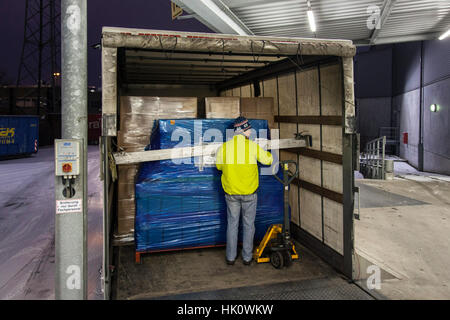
pixel 176 10
pixel 69 206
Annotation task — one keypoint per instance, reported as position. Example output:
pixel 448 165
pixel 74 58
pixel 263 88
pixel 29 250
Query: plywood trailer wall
pixel 246 91
pixel 311 101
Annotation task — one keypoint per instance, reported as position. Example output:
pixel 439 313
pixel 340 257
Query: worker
pixel 237 159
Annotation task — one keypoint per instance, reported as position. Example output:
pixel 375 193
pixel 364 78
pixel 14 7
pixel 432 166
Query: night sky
pixel 147 14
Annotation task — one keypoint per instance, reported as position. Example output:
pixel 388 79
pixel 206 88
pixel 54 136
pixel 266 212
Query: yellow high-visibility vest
pixel 237 159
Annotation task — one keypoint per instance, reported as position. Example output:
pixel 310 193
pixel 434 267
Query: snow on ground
pixel 403 170
pixel 27 209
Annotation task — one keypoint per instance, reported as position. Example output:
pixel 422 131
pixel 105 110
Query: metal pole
pixel 39 60
pixel 12 100
pixel 71 228
pixel 383 145
pixel 421 110
pixel 286 227
pixel 53 53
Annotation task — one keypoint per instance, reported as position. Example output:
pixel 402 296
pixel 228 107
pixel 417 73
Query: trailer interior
pixel 311 82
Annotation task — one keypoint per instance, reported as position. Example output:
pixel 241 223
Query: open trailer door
pixel 322 196
pixel 108 173
pixel 105 176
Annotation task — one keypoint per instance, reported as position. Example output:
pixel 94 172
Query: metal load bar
pixel 200 150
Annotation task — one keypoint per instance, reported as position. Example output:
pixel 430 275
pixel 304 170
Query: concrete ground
pixel 27 209
pixel 404 228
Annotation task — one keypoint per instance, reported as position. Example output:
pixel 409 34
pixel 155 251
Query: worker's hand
pixel 263 143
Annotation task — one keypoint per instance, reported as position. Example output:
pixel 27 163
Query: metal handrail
pixel 372 160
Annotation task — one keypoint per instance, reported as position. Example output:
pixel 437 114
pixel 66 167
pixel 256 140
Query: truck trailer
pixel 311 83
pixel 19 135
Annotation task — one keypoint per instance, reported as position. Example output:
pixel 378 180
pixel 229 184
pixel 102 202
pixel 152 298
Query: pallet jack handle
pixel 288 176
pixel 285 163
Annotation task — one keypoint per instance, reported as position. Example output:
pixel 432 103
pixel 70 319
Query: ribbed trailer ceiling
pixel 406 20
pixel 146 67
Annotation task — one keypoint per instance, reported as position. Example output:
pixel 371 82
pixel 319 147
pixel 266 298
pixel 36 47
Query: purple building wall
pixel 400 106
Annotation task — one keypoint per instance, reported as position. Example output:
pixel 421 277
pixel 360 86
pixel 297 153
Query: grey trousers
pixel 236 203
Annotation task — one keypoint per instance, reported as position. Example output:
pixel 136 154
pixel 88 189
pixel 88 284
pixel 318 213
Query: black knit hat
pixel 241 124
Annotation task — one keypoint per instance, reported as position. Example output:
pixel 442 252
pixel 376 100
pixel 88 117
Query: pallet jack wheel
pixel 287 258
pixel 277 259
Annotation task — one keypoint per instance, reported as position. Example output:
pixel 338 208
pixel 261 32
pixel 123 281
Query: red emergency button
pixel 67 167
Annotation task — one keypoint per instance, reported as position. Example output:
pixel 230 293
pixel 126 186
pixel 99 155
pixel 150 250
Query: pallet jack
pixel 277 246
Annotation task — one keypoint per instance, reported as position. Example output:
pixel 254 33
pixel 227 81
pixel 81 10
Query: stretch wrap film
pixel 181 204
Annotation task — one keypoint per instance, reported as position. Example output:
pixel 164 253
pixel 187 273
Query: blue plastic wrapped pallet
pixel 180 203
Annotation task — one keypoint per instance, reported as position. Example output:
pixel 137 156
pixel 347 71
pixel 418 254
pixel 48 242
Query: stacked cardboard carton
pixel 137 116
pixel 233 107
pixel 258 108
pixel 222 107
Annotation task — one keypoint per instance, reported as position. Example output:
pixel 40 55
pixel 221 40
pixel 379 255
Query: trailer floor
pixel 203 274
pixel 329 288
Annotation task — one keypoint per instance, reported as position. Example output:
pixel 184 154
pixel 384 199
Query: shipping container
pixel 310 82
pixel 19 135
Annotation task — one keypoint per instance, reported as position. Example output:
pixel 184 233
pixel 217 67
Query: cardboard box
pixel 137 118
pixel 222 107
pixel 258 108
pixel 131 143
pixel 125 220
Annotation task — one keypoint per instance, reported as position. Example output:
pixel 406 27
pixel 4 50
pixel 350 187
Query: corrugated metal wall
pixel 377 108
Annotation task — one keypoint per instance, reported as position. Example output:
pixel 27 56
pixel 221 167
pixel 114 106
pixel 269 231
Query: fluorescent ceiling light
pixel 445 35
pixel 214 8
pixel 312 22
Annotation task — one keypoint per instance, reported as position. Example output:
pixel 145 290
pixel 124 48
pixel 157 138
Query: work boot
pixel 230 263
pixel 247 263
